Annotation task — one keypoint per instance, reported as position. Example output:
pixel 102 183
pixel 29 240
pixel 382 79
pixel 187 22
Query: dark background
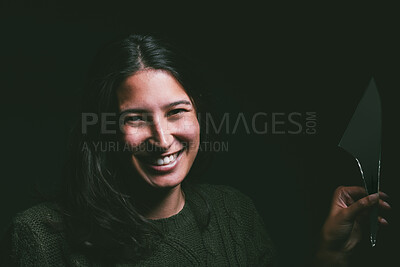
pixel 255 59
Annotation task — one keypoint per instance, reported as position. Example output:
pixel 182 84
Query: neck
pixel 168 203
pixel 156 203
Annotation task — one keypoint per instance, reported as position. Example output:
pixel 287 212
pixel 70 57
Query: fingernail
pixel 384 221
pixel 386 204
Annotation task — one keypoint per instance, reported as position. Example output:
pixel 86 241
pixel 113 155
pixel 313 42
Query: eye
pixel 133 119
pixel 176 111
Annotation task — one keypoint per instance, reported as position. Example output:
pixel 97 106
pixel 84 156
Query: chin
pixel 163 182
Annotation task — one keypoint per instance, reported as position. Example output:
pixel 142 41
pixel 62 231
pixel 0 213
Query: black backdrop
pixel 255 59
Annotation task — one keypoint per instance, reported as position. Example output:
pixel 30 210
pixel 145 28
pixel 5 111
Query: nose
pixel 161 137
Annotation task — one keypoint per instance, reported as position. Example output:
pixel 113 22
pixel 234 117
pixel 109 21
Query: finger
pixel 360 206
pixel 345 196
pixel 384 205
pixel 354 191
pixel 382 221
pixel 383 195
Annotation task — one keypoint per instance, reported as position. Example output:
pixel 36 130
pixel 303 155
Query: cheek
pixel 133 136
pixel 188 130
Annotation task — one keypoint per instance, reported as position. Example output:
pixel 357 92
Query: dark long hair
pixel 99 212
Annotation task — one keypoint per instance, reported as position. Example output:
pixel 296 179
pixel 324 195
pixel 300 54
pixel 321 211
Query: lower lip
pixel 165 168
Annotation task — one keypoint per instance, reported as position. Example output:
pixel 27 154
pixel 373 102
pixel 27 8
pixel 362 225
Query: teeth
pixel 166 160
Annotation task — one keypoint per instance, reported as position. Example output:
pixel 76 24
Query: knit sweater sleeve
pixel 29 241
pixel 24 247
pixel 19 246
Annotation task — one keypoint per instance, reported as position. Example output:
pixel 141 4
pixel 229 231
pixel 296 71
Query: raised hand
pixel 342 229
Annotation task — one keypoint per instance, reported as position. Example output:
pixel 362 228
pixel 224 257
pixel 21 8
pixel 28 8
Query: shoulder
pixel 46 211
pixel 224 192
pixel 222 197
pixel 231 207
pixel 33 233
pixel 39 218
pixel 43 221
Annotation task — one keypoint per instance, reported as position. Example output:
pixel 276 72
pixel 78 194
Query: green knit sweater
pixel 235 235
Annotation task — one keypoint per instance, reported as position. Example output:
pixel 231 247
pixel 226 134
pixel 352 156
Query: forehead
pixel 150 88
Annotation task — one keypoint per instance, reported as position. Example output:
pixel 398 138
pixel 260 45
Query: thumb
pixel 361 205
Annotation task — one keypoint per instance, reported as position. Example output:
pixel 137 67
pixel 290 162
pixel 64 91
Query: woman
pixel 134 202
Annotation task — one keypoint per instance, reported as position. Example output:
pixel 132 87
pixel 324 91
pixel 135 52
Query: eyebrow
pixel 170 105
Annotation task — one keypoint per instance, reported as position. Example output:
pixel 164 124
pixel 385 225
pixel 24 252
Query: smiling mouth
pixel 161 160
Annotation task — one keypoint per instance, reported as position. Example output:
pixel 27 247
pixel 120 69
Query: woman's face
pixel 159 126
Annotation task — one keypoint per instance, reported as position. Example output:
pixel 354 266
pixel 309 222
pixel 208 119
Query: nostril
pixel 162 140
pixel 157 146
